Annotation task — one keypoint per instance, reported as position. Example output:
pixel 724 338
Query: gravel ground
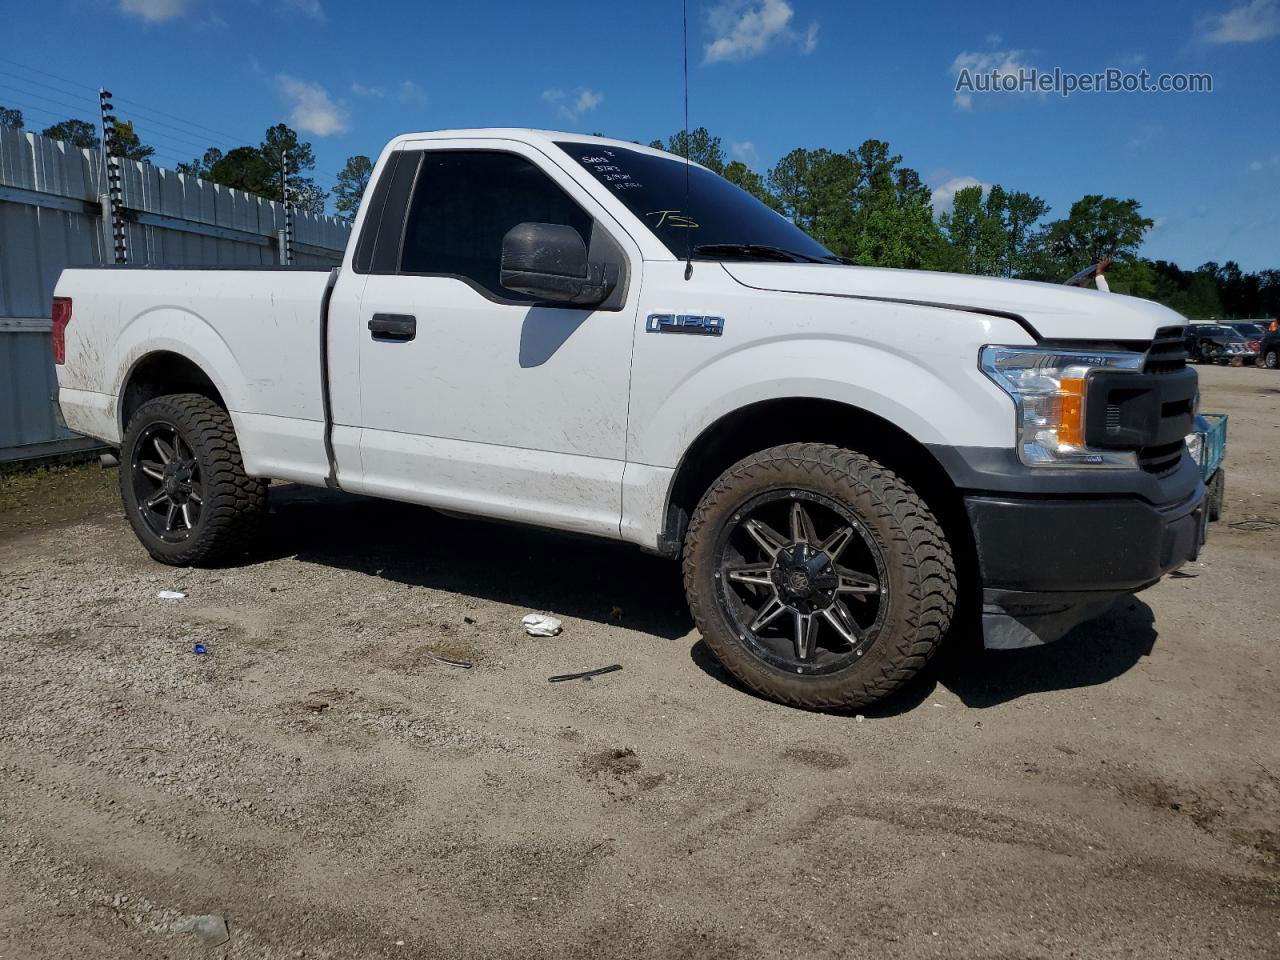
pixel 321 782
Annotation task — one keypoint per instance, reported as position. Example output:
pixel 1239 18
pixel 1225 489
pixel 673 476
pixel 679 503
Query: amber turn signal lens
pixel 1071 411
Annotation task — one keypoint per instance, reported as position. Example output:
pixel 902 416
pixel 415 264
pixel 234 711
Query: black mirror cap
pixel 549 261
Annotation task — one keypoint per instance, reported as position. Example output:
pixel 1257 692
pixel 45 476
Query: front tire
pixel 1272 359
pixel 183 483
pixel 818 577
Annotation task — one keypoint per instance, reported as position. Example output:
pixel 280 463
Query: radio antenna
pixel 688 147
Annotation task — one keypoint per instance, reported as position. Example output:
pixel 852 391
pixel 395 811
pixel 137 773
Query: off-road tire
pixel 1271 360
pixel 234 502
pixel 918 562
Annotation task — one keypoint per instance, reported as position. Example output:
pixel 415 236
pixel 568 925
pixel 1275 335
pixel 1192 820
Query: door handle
pixel 393 327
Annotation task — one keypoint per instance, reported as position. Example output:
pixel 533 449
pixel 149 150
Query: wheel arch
pixel 159 373
pixel 768 423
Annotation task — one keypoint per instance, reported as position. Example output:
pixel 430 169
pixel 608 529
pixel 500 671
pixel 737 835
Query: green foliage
pixel 1097 227
pixel 352 181
pixel 259 169
pixel 993 236
pixel 201 166
pixel 862 204
pixel 75 133
pixel 10 117
pixel 698 145
pixel 128 145
pixel 244 168
pixel 741 175
pixel 84 135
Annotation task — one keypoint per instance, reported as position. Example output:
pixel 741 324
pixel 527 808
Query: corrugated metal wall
pixel 50 219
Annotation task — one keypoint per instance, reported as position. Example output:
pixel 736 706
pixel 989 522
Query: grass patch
pixel 53 495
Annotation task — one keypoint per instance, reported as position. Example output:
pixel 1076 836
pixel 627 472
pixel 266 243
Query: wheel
pixel 183 483
pixel 1272 360
pixel 818 577
pixel 1217 494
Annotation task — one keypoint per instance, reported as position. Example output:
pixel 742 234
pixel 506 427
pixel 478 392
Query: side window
pixel 464 203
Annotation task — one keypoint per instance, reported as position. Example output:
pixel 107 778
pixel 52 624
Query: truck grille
pixel 1167 355
pixel 1168 351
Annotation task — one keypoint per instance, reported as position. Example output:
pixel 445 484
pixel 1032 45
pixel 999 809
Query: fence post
pixel 287 247
pixel 115 195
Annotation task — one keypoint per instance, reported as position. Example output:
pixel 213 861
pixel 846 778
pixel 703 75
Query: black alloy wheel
pixel 166 482
pixel 809 600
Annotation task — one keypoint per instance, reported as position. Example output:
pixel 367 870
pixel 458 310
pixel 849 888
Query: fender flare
pixel 181 332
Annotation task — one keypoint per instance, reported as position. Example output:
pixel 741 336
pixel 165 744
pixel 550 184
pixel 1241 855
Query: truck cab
pixel 598 337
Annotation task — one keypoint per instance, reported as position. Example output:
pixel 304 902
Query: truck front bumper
pixel 1056 549
pixel 1048 565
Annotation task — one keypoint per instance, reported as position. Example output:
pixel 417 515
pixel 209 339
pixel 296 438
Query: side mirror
pixel 549 261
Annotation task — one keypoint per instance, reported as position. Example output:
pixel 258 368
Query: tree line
pixel 865 204
pixel 862 203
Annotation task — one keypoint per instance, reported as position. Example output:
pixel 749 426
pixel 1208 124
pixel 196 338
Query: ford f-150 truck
pixel 598 337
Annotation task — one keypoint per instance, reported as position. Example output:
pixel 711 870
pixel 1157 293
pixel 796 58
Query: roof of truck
pixel 545 138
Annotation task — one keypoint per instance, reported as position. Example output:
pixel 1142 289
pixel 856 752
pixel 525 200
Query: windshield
pixel 712 220
pixel 1248 329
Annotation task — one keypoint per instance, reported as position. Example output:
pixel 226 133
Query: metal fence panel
pixel 27 388
pixel 50 218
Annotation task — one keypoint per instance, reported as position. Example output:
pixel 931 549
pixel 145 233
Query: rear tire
pixel 183 483
pixel 1272 360
pixel 853 603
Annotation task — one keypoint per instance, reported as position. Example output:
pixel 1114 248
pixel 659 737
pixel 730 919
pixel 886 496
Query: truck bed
pixel 254 330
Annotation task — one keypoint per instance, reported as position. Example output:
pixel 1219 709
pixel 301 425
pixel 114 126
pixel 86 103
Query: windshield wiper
pixel 756 251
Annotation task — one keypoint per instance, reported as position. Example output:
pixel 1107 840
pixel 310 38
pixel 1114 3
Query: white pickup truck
pixel 593 336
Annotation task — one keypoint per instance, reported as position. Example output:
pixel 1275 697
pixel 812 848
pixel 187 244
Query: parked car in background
pixel 1252 333
pixel 1269 351
pixel 1248 329
pixel 1218 343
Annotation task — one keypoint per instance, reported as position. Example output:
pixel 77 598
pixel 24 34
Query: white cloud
pixel 364 90
pixel 308 8
pixel 944 194
pixel 410 92
pixel 312 109
pixel 155 11
pixel 809 41
pixel 1249 23
pixel 746 152
pixel 1002 62
pixel 573 105
pixel 1268 163
pixel 742 29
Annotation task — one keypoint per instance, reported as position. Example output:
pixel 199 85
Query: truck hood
pixel 1053 310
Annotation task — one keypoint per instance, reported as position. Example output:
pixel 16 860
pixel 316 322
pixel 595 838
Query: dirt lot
pixel 321 782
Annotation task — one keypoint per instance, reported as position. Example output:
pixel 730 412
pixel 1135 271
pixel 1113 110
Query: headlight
pixel 1048 388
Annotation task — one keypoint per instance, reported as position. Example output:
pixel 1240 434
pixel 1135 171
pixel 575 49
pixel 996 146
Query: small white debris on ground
pixel 537 625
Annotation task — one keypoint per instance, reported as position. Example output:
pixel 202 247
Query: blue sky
pixel 765 75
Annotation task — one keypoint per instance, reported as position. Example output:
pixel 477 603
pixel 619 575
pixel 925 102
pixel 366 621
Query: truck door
pixel 474 397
